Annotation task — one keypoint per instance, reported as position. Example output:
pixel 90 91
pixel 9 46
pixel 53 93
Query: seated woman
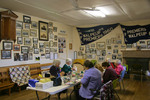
pixel 119 68
pixel 109 74
pixel 90 80
pixel 67 67
pixel 55 70
pixel 110 63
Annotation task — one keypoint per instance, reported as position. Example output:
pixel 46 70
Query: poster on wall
pixel 43 31
pixel 90 34
pixel 61 44
pixel 135 33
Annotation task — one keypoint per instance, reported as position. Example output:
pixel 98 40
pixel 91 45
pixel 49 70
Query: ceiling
pixel 65 11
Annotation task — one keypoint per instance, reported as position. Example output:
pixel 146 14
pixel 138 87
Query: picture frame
pixel 19 24
pixel 27 41
pixel 35 40
pixel 30 56
pixel 24 49
pixel 18 32
pixel 5 54
pixel 50 24
pixel 7 45
pixel 101 58
pixel 148 42
pixel 142 41
pixel 115 50
pixel 25 33
pixel 81 48
pixel 55 37
pixel 51 36
pixel 36 51
pixel 114 57
pixel 128 45
pixel 34 24
pixel 103 52
pixel 35 46
pixel 41 45
pixel 100 45
pixel 43 31
pixel 47 50
pixel 33 32
pixel 27 26
pixel 108 47
pixel 54 44
pixel 47 55
pixel 16 47
pixel 19 40
pixel 93 45
pixel 46 44
pixel 16 57
pixel 26 19
pixel 54 29
pixel 51 43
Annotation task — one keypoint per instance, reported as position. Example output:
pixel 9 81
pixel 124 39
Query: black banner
pixel 135 33
pixel 88 35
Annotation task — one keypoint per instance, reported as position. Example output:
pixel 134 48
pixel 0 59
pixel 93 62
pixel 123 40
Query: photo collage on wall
pixel 32 39
pixel 111 48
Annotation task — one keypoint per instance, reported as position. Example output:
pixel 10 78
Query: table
pixel 54 90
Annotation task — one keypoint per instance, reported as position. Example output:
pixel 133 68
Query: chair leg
pixel 123 85
pixel 9 91
pixel 116 94
pixel 120 84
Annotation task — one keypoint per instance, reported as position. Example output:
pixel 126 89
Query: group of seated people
pixel 94 76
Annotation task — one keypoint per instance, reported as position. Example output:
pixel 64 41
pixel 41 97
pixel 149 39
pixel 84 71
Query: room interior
pixel 63 39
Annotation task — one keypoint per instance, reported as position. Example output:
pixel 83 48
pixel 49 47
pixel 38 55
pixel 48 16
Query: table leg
pixel 37 95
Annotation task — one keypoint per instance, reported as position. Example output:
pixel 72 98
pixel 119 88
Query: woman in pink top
pixel 119 67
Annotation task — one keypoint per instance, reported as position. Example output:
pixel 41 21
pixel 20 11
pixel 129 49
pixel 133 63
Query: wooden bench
pixel 5 80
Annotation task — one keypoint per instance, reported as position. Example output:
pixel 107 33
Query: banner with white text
pixel 135 33
pixel 88 35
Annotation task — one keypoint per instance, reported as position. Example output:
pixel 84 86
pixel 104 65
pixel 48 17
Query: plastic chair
pixel 121 79
pixel 94 62
pixel 126 67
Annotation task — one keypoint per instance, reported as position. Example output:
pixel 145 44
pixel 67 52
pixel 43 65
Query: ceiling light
pixel 103 10
pixel 96 13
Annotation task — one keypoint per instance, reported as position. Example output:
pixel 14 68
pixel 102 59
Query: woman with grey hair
pixel 119 67
pixel 67 67
pixel 54 70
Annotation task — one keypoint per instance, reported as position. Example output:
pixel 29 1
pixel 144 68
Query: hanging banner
pixel 135 33
pixel 88 35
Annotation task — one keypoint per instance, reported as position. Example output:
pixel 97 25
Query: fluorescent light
pixel 96 13
pixel 103 10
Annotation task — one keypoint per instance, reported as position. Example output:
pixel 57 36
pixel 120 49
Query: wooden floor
pixel 134 90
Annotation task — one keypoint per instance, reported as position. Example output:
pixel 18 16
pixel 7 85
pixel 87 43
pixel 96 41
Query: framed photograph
pixel 27 26
pixel 108 47
pixel 43 31
pixel 24 49
pixel 19 40
pixel 41 49
pixel 54 44
pixel 16 47
pixel 93 50
pixel 89 56
pixel 30 49
pixel 50 24
pixel 16 57
pixel 33 32
pixel 123 46
pixel 51 43
pixel 108 41
pixel 129 46
pixel 98 52
pixel 27 41
pixel 25 33
pixel 30 56
pixel 115 46
pixel 5 54
pixel 35 46
pixel 36 51
pixel 41 45
pixel 25 56
pixel 113 40
pixel 101 58
pixel 50 30
pixel 148 42
pixel 114 57
pixel 46 44
pixel 26 19
pixel 103 52
pixel 80 53
pixel 18 32
pixel 119 41
pixel 51 36
pixel 47 50
pixel 115 50
pixel 70 46
pixel 142 42
pixel 100 45
pixel 19 25
pixel 34 24
pixel 47 55
pixel 93 45
pixel 55 37
pixel 21 58
pixel 143 46
pixel 7 45
pixel 87 50
pixel 35 40
pixel 148 46
pixel 55 29
pixel 81 48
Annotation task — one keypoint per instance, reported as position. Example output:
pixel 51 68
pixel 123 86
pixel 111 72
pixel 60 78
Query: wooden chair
pixel 5 81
